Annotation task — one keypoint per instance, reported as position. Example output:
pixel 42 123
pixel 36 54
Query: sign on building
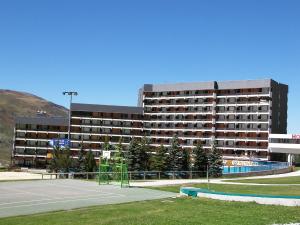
pixel 62 143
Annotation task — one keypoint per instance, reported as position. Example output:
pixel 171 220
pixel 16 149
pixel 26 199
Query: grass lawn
pixel 168 211
pixel 3 169
pixel 281 180
pixel 241 189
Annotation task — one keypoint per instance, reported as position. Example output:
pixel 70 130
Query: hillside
pixel 13 103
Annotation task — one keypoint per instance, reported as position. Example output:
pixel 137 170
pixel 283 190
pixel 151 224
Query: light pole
pixel 70 93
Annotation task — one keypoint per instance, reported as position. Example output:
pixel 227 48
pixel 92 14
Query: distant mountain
pixel 14 103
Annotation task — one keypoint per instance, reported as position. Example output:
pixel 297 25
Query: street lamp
pixel 70 93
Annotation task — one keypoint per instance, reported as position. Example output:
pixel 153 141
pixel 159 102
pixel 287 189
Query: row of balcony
pixel 108 123
pixel 188 109
pixel 195 101
pixel 178 118
pixel 148 102
pixel 107 115
pixel 89 135
pixel 252 108
pixel 42 127
pixel 249 91
pixel 95 141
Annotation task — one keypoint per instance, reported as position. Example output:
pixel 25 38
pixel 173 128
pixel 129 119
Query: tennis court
pixel 28 197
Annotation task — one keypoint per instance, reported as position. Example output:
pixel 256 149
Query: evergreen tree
pixel 137 156
pixel 215 162
pixel 159 160
pixel 175 157
pixel 133 160
pixel 54 167
pixel 81 160
pixel 186 160
pixel 119 149
pixel 200 159
pixel 90 162
pixel 65 160
pixel 61 160
pixel 144 153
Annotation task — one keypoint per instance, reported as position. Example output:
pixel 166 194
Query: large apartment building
pixel 32 136
pixel 237 116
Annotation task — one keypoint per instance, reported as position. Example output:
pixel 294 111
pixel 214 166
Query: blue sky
pixel 106 50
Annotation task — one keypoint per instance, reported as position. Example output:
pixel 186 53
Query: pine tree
pixel 137 156
pixel 186 160
pixel 200 159
pixel 132 156
pixel 144 153
pixel 90 162
pixel 175 157
pixel 215 162
pixel 81 160
pixel 159 160
pixel 61 160
pixel 65 161
pixel 54 167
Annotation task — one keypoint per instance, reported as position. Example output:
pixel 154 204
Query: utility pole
pixel 70 93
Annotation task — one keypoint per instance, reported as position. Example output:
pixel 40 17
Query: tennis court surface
pixel 28 197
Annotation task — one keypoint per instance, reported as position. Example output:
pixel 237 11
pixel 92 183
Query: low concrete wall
pixel 260 199
pixel 261 173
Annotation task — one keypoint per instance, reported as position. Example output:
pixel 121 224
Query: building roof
pixel 55 121
pixel 210 85
pixel 106 108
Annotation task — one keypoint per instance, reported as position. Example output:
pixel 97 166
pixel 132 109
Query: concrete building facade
pixel 236 116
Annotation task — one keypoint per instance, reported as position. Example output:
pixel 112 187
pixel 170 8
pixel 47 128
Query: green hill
pixel 12 104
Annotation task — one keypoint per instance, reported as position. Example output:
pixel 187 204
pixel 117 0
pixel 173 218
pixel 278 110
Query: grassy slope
pixel 282 180
pixel 171 211
pixel 174 211
pixel 242 189
pixel 13 104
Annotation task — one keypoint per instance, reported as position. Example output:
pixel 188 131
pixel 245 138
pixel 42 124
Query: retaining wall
pixel 260 199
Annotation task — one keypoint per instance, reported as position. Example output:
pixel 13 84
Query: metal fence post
pixel 159 175
pixel 144 175
pixel 173 175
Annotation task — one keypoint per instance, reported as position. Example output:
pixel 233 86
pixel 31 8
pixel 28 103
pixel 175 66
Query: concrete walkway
pixel 10 176
pixel 291 174
pixel 157 183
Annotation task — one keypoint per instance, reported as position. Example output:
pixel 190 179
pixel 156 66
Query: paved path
pixel 291 174
pixel 4 176
pixel 216 181
pixel 28 197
